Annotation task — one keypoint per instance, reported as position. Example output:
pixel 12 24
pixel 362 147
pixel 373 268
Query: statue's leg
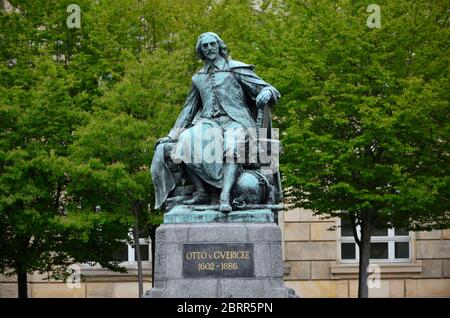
pixel 230 173
pixel 234 135
pixel 200 195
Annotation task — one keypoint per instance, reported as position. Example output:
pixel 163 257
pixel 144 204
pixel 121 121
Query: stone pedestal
pixel 219 260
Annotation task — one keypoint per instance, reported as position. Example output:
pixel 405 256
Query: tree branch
pixel 355 233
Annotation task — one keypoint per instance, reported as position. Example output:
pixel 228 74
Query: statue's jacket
pixel 233 85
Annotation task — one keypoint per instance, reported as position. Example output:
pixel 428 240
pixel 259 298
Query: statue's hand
pixel 163 140
pixel 263 98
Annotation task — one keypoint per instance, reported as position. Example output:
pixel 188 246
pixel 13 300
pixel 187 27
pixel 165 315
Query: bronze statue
pixel 226 105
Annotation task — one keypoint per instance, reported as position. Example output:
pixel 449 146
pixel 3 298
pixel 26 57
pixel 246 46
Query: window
pixel 127 253
pixel 387 245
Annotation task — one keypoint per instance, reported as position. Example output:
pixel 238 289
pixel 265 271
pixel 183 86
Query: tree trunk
pixel 364 254
pixel 153 238
pixel 138 250
pixel 22 283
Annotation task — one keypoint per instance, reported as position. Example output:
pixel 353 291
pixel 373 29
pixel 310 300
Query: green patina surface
pixel 186 214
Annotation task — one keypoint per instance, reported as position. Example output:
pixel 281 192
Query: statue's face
pixel 210 47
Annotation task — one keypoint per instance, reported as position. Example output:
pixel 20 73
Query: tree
pixel 44 97
pixel 110 160
pixel 367 117
pixel 37 232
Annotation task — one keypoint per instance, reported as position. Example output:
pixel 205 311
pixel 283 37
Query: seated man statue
pixel 223 105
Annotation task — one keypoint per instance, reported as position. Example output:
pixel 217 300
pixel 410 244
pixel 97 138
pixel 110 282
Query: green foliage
pixel 363 115
pixel 368 112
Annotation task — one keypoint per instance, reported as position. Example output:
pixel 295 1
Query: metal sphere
pixel 251 187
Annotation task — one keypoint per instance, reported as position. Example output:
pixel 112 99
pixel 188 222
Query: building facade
pixel 321 260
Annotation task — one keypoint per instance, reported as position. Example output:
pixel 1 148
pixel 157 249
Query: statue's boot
pixel 225 205
pixel 200 196
pixel 230 172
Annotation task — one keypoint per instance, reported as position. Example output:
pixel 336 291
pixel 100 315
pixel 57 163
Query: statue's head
pixel 209 45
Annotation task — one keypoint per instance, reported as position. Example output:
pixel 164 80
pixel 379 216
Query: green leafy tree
pixel 111 175
pixel 37 233
pixel 367 116
pixel 45 95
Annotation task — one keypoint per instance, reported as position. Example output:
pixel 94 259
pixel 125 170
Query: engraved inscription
pixel 218 260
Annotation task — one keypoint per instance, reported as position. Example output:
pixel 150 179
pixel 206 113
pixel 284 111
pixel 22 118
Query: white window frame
pixel 142 241
pixel 130 249
pixel 391 239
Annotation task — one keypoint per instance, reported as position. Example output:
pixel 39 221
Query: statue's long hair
pixel 223 50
